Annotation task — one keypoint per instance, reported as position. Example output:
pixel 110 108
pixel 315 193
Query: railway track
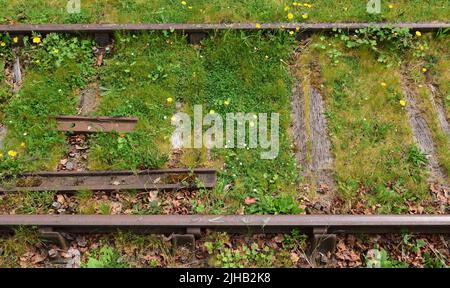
pixel 315 27
pixel 321 227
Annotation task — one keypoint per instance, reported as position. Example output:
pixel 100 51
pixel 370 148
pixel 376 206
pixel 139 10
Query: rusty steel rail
pixel 78 124
pixel 331 224
pixel 108 28
pixel 110 181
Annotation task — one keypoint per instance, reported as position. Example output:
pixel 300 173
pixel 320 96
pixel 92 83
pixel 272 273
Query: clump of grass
pixel 104 257
pixel 248 73
pixel 145 71
pixel 370 132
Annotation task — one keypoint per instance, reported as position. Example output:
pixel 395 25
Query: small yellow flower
pixel 297 29
pixel 183 3
pixel 189 7
pixel 286 8
pixel 424 70
pixel 226 102
pixel 402 103
pixel 305 16
pixel 212 112
pixel 1 155
pixel 173 118
pixel 16 40
pixel 295 4
pixel 267 57
pixel 12 153
pixel 418 33
pixel 2 44
pixel 290 16
pixel 391 6
pixel 383 84
pixel 169 100
pixel 291 32
pixel 36 40
pixel 258 26
pixel 22 145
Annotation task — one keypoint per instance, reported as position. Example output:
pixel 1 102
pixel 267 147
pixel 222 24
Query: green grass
pixel 438 64
pixel 5 89
pixel 144 71
pixel 215 11
pixel 370 133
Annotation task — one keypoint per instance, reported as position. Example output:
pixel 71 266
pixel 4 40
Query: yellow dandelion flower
pixel 226 102
pixel 22 145
pixel 291 32
pixel 16 39
pixel 2 44
pixel 290 16
pixel 183 3
pixel 383 84
pixel 305 16
pixel 1 155
pixel 402 103
pixel 189 7
pixel 258 26
pixel 36 40
pixel 295 4
pixel 12 153
pixel 424 70
pixel 391 6
pixel 286 8
pixel 418 33
pixel 169 100
pixel 297 29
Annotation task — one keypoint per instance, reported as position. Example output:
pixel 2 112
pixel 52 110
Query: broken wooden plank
pixel 78 124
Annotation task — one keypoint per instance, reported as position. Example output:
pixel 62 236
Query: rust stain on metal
pixel 109 181
pixel 78 124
